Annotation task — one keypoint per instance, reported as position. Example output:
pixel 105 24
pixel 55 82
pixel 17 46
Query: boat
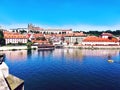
pixel 110 61
pixel 43 47
pixel 58 46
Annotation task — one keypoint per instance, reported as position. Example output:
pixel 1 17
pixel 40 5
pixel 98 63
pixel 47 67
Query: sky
pixel 75 14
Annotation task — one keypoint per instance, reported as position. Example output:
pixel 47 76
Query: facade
pixel 15 38
pixel 39 38
pixel 32 28
pixel 74 37
pixel 105 39
pixel 106 35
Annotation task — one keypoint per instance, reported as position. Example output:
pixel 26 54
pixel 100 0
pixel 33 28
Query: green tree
pixel 29 44
pixel 76 42
pixel 2 40
pixel 23 31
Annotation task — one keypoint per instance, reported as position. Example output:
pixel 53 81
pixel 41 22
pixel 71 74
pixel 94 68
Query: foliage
pixel 34 31
pixel 23 31
pixel 19 43
pixel 10 44
pixel 76 43
pixel 2 40
pixel 29 44
pixel 98 33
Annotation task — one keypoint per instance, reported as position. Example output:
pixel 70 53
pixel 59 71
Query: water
pixel 66 69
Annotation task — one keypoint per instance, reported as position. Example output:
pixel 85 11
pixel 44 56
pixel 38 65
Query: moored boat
pixel 46 47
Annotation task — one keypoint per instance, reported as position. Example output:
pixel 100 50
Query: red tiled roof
pixel 38 35
pixel 13 35
pixel 99 39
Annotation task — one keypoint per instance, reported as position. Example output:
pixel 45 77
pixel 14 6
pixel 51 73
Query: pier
pixel 8 81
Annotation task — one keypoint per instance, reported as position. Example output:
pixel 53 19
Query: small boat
pixel 58 46
pixel 45 47
pixel 110 61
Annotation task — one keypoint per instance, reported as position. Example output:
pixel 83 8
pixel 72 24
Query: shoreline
pixel 8 48
pixel 13 48
pixel 93 47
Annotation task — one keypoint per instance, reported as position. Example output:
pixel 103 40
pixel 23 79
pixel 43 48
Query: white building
pixel 105 39
pixel 34 29
pixel 15 38
pixel 74 37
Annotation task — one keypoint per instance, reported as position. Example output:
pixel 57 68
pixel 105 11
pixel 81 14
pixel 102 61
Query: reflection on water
pixel 79 54
pixel 44 53
pixel 66 69
pixel 15 55
pixel 65 53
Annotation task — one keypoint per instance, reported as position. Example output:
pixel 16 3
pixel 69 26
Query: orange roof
pixel 38 35
pixel 13 35
pixel 99 39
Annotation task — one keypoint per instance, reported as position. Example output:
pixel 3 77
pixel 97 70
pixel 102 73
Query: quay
pixel 5 48
pixel 8 81
pixel 92 47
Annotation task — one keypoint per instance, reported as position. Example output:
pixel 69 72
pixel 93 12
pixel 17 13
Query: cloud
pixel 78 27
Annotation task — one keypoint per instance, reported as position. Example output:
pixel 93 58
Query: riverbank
pixel 4 48
pixel 93 47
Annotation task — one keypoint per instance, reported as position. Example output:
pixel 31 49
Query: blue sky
pixel 104 13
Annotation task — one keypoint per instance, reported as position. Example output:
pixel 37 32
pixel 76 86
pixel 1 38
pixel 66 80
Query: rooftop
pixel 99 39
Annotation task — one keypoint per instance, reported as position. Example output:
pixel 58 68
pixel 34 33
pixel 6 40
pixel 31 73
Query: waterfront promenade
pixel 4 48
pixel 92 47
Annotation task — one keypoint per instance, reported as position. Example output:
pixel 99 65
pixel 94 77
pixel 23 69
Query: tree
pixel 23 31
pixel 29 44
pixel 2 40
pixel 76 42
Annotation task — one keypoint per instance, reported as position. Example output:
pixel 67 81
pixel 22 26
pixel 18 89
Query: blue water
pixel 66 69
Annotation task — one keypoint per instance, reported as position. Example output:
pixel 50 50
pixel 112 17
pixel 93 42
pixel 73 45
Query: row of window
pixel 16 40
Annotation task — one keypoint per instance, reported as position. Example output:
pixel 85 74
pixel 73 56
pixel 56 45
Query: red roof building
pixel 94 40
pixel 11 37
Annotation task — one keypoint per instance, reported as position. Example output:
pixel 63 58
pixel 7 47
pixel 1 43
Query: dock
pixel 8 81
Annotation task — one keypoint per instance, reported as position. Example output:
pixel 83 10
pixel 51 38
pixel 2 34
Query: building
pixel 104 39
pixel 14 38
pixel 33 29
pixel 106 35
pixel 74 37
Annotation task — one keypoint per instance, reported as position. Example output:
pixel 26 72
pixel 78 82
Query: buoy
pixel 111 61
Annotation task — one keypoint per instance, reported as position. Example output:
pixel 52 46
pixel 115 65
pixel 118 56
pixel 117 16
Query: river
pixel 66 69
